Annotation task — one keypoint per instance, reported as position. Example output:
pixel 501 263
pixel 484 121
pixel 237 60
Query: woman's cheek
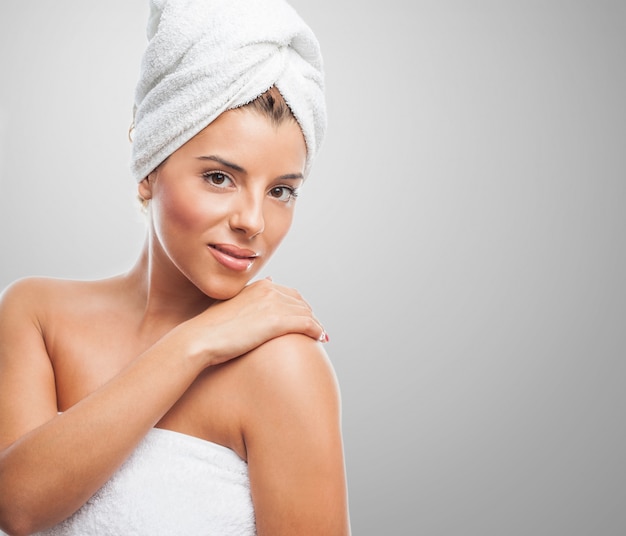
pixel 195 211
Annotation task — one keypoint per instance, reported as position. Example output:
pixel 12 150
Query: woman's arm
pixel 292 433
pixel 51 464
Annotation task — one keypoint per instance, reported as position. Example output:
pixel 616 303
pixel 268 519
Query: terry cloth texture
pixel 171 484
pixel 208 56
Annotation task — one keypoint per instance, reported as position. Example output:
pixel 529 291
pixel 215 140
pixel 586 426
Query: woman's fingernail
pixel 324 337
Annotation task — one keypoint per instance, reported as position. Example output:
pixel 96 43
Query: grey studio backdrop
pixel 462 237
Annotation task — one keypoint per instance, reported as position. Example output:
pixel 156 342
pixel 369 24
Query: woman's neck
pixel 164 294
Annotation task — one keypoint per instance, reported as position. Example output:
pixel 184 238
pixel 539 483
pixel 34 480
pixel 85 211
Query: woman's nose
pixel 247 214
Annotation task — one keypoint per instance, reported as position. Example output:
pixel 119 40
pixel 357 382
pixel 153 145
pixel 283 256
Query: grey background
pixel 461 236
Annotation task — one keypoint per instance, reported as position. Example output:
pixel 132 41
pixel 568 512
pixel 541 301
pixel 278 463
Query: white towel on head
pixel 208 56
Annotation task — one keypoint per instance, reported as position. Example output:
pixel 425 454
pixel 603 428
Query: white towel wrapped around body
pixel 208 56
pixel 171 484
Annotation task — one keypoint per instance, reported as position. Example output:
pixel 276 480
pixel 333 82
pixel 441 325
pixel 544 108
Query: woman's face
pixel 222 203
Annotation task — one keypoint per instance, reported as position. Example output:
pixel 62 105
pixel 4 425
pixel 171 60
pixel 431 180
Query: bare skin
pixel 180 342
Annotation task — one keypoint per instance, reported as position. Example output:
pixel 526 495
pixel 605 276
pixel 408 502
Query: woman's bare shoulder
pixel 32 287
pixel 39 293
pixel 289 363
pixel 287 379
pixel 29 294
pixel 25 287
pixel 285 368
pixel 292 371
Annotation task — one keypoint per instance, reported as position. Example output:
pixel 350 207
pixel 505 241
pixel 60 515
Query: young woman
pixel 179 397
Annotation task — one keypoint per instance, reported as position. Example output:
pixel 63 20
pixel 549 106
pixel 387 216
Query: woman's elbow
pixel 15 524
pixel 16 519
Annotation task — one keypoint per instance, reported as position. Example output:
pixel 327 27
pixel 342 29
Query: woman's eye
pixel 217 179
pixel 283 193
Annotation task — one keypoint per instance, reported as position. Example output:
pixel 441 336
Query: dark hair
pixel 272 105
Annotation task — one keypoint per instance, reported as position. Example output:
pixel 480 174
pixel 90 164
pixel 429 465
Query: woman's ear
pixel 144 188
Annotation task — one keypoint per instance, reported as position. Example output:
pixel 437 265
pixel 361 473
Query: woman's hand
pixel 260 312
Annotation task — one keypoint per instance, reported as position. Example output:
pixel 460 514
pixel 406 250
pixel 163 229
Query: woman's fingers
pixel 260 312
pixel 305 324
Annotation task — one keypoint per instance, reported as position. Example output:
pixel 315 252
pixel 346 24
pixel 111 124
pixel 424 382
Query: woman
pixel 179 398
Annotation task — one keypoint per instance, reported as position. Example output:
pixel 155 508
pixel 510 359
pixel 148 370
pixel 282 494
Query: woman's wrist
pixel 193 342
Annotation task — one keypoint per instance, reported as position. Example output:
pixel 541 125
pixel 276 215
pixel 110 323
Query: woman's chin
pixel 221 292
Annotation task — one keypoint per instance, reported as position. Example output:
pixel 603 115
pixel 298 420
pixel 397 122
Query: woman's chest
pixel 87 351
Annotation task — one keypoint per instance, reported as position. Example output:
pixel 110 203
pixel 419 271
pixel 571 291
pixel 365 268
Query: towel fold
pixel 208 56
pixel 171 484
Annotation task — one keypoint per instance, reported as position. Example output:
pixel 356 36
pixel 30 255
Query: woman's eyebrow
pixel 220 160
pixel 290 176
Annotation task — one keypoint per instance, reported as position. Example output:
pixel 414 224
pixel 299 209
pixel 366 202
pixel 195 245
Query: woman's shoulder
pixel 31 287
pixel 290 362
pixel 30 293
pixel 288 379
pixel 44 301
pixel 291 373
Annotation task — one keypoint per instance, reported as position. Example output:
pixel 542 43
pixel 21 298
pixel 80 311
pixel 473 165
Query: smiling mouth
pixel 232 257
pixel 234 252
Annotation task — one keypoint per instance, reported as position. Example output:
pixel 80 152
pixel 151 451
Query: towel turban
pixel 207 56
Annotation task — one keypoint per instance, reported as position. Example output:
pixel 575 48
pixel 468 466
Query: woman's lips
pixel 233 257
